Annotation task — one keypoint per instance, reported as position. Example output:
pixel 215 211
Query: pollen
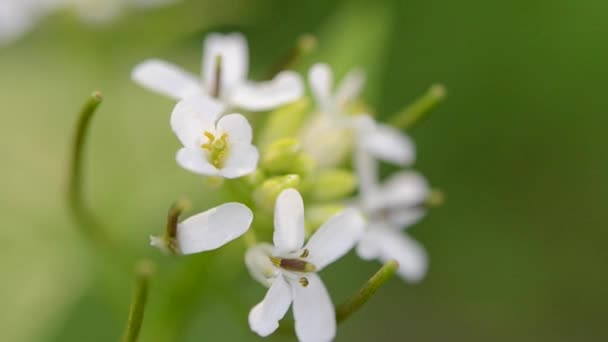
pixel 305 253
pixel 304 281
pixel 216 147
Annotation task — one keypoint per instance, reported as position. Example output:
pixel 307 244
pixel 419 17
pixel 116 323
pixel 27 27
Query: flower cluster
pixel 300 155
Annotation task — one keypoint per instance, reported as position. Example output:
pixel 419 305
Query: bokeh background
pixel 518 251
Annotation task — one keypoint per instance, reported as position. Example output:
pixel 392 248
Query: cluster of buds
pixel 323 152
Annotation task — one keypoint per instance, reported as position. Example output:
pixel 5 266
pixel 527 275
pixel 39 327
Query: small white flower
pixel 211 148
pixel 208 230
pixel 17 17
pixel 391 207
pixel 290 269
pixel 328 135
pixel 234 88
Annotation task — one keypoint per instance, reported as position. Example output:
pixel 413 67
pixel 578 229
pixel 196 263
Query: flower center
pixel 294 264
pixel 217 148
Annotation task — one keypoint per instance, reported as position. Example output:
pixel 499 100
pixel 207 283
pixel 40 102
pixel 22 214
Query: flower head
pixel 328 135
pixel 290 269
pixel 213 147
pixel 390 208
pixel 208 230
pixel 225 66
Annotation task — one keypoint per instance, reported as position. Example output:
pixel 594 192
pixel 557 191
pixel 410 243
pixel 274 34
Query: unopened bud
pixel 265 194
pixel 284 122
pixel 333 184
pixel 318 214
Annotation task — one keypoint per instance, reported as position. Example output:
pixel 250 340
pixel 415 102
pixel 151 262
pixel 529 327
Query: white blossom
pixel 213 147
pixel 328 136
pixel 234 88
pixel 208 230
pixel 390 208
pixel 289 269
pixel 17 17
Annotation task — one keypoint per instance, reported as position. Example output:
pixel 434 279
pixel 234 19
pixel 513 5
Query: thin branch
pixel 420 109
pixel 143 273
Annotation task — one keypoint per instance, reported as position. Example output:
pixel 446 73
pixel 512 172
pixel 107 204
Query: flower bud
pixel 284 122
pixel 332 184
pixel 316 215
pixel 265 194
pixel 285 156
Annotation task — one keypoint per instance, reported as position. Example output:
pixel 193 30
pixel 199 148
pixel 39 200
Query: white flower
pixel 208 230
pixel 211 148
pixel 328 135
pixel 391 207
pixel 290 269
pixel 17 17
pixel 234 88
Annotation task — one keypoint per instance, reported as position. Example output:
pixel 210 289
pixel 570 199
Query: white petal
pixel 235 59
pixel 236 126
pixel 288 222
pixel 384 244
pixel 192 116
pixel 242 160
pixel 313 311
pixel 213 228
pixel 389 144
pixel 286 87
pixel 335 238
pixel 265 316
pixel 167 79
pixel 257 260
pixel 366 168
pixel 350 87
pixel 402 191
pixel 195 160
pixel 320 78
pixel 403 218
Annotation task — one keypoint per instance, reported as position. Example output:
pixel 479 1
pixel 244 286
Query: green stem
pixel 144 271
pixel 74 193
pixel 420 109
pixel 386 272
pixel 305 45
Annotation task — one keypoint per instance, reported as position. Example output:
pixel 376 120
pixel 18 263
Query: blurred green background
pixel 517 252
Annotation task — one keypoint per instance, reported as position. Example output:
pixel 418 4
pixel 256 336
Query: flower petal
pixel 192 116
pixel 389 144
pixel 265 316
pixel 366 168
pixel 235 59
pixel 242 160
pixel 350 87
pixel 335 238
pixel 166 78
pixel 384 244
pixel 288 222
pixel 257 260
pixel 213 228
pixel 320 78
pixel 313 311
pixel 236 126
pixel 284 88
pixel 195 160
pixel 401 191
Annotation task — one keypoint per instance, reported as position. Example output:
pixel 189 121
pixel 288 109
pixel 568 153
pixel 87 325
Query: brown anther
pixel 304 281
pixel 305 253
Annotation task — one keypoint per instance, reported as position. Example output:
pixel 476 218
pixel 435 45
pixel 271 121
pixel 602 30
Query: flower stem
pixel 173 217
pixel 386 272
pixel 75 178
pixel 420 109
pixel 143 273
pixel 305 45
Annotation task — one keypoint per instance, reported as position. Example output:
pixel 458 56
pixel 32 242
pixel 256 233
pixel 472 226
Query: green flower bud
pixel 285 156
pixel 281 155
pixel 284 122
pixel 318 214
pixel 332 184
pixel 265 194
